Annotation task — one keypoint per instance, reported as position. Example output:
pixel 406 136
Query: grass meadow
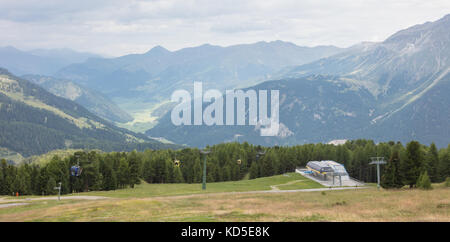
pixel 187 202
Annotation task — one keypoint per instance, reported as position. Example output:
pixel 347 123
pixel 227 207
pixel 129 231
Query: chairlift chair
pixel 75 170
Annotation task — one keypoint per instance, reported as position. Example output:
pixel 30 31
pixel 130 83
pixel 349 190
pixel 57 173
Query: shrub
pixel 424 181
pixel 447 182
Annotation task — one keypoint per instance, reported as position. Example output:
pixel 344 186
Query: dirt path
pixel 254 192
pixel 7 205
pixel 3 200
pixel 275 187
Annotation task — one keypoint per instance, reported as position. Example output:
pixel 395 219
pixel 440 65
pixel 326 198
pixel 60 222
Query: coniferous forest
pixel 225 162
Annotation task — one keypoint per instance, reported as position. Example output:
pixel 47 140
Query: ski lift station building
pixel 327 169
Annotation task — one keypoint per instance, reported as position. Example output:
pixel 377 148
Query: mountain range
pixel 143 83
pixel 393 90
pixel 34 121
pixel 396 89
pixel 96 102
pixel 39 61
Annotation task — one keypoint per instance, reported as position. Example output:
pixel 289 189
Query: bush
pixel 424 181
pixel 447 182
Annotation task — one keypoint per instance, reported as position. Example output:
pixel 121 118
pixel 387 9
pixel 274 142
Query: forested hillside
pixel 34 121
pixel 226 162
pixel 93 101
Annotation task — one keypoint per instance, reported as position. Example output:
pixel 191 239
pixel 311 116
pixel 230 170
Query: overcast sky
pixel 118 27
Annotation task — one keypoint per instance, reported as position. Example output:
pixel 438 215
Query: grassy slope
pixel 259 184
pixel 146 203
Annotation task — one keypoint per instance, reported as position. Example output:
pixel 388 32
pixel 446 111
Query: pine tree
pixel 133 164
pixel 149 171
pixel 109 178
pixel 432 160
pixel 423 181
pixel 35 173
pixel 254 170
pixel 412 165
pixel 266 167
pixel 11 172
pixel 4 189
pixel 169 178
pixel 177 175
pixel 2 183
pixel 123 174
pixel 197 171
pixel 23 173
pixel 226 173
pixel 50 186
pixel 444 163
pixel 392 177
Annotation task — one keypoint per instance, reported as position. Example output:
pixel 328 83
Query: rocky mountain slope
pixel 141 83
pixel 34 121
pixel 393 90
pixel 94 101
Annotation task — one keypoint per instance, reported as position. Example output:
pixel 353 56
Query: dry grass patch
pixel 344 205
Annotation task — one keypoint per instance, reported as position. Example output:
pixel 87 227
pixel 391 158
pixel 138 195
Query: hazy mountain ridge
pixel 396 71
pixel 39 61
pixel 392 90
pixel 312 109
pixel 34 121
pixel 94 101
pixel 150 78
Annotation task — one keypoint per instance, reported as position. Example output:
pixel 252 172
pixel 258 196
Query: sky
pixel 118 27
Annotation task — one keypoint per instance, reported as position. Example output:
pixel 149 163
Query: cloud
pixel 117 27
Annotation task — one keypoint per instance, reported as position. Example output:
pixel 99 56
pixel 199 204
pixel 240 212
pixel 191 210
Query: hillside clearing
pixel 345 205
pixel 235 201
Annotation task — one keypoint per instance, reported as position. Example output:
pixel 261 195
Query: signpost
pixel 377 161
pixel 59 191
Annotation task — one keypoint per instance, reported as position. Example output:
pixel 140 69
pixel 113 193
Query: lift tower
pixel 379 160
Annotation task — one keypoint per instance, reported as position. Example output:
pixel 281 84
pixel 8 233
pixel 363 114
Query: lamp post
pixel 204 152
pixel 377 161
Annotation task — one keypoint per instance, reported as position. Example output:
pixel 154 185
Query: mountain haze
pixel 142 83
pixel 39 61
pixel 94 101
pixel 393 90
pixel 219 67
pixel 34 121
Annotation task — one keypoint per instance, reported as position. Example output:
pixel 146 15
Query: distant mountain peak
pixel 9 48
pixel 419 31
pixel 158 50
pixel 4 71
pixel 446 17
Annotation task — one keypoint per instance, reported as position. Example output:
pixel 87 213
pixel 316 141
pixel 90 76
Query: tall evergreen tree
pixel 412 166
pixel 109 178
pixel 444 163
pixel 3 185
pixel 432 160
pixel 177 175
pixel 123 174
pixel 148 172
pixel 392 176
pixel 254 170
pixel 133 164
pixel 50 186
pixel 197 171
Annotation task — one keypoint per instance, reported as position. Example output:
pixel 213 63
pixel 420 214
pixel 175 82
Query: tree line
pixel 225 162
